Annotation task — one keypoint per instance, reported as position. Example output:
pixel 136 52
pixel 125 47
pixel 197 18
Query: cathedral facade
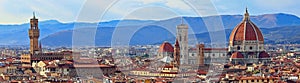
pixel 246 43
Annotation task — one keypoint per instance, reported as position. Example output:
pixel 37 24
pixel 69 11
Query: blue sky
pixel 19 11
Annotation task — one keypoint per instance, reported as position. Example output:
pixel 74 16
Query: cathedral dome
pixel 237 55
pixel 246 30
pixel 166 47
pixel 264 54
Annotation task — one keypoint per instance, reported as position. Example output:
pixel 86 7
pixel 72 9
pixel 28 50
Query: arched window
pixel 238 48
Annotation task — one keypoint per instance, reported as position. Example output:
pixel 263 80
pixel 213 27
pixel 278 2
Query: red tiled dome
pixel 264 55
pixel 246 30
pixel 237 55
pixel 166 47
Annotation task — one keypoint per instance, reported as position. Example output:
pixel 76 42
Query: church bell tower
pixel 34 33
pixel 182 35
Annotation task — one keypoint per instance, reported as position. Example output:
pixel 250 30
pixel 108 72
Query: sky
pixel 20 11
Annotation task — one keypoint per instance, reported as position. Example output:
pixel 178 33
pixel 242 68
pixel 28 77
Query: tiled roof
pixel 246 30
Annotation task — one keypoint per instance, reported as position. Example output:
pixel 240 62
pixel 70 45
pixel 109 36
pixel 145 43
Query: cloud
pixel 160 8
pixel 177 4
pixel 22 10
pixel 275 3
pixel 153 13
pixel 150 1
pixel 92 10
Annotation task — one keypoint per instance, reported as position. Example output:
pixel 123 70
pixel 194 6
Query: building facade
pixel 36 53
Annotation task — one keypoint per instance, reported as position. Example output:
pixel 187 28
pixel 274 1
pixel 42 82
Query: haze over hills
pixel 277 28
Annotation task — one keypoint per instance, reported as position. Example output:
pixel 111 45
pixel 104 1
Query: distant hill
pixel 157 35
pixel 54 33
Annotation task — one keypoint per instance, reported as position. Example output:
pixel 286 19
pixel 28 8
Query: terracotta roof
pixel 68 62
pixel 168 66
pixel 166 47
pixel 237 55
pixel 46 61
pixel 258 77
pixel 201 72
pixel 10 59
pixel 90 65
pixel 51 66
pixel 246 30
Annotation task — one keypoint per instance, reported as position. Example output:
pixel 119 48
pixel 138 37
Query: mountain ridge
pixel 49 28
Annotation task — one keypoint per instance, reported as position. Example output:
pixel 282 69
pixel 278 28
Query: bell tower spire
pixel 33 15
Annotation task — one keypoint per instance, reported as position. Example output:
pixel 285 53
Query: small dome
pixel 264 55
pixel 237 55
pixel 166 47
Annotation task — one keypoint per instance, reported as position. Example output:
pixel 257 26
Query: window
pixel 179 38
pixel 238 48
pixel 250 48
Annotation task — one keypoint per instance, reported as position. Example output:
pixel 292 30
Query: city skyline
pixel 149 41
pixel 135 9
